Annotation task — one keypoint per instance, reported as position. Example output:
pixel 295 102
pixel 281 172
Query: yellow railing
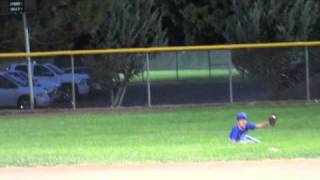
pixel 161 49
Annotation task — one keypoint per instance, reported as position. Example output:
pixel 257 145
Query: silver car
pixel 53 88
pixel 16 94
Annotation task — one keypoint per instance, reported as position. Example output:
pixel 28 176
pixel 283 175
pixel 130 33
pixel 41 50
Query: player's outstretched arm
pixel 262 124
pixel 272 120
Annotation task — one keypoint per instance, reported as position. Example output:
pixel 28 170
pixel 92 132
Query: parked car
pixel 51 73
pixel 53 88
pixel 95 87
pixel 16 94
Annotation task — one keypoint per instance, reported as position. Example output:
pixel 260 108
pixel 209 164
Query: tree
pixel 11 33
pixel 268 21
pixel 195 22
pixel 57 25
pixel 128 24
pixel 272 21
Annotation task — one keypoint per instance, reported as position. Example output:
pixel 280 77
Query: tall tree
pixel 57 25
pixel 11 33
pixel 200 22
pixel 128 24
pixel 272 21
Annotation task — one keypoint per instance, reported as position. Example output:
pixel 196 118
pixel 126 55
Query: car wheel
pixel 67 93
pixel 24 103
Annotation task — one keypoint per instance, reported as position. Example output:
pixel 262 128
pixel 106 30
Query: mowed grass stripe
pixel 177 135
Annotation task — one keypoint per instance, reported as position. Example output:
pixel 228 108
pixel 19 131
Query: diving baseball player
pixel 239 133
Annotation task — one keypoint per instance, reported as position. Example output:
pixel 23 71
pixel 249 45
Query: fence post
pixel 230 81
pixel 148 80
pixel 73 84
pixel 307 74
pixel 30 72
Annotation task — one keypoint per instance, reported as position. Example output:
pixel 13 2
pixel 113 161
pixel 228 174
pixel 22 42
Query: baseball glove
pixel 273 119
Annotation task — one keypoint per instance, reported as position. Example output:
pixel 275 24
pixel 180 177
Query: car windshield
pixel 55 69
pixel 18 76
pixel 23 75
pixel 19 83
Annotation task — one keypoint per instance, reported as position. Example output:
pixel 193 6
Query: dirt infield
pixel 248 170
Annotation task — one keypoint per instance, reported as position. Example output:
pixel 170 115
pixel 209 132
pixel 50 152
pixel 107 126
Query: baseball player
pixel 239 133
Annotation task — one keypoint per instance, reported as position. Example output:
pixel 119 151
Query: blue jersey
pixel 237 134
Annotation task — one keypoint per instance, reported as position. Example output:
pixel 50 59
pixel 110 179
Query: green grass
pixel 159 75
pixel 177 135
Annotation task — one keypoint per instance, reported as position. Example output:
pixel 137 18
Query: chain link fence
pixel 152 78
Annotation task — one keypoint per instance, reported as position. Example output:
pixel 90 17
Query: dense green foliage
pixel 195 22
pixel 273 21
pixel 129 24
pixel 251 21
pixel 70 24
pixel 57 25
pixel 92 24
pixel 179 135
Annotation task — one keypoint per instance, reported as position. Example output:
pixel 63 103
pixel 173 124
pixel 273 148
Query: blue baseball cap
pixel 242 115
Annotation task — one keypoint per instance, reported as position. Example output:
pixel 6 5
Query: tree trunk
pixel 117 97
pixel 112 97
pixel 120 93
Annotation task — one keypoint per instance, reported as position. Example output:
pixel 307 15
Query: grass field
pixel 159 75
pixel 175 135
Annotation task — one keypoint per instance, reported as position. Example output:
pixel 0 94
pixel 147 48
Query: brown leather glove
pixel 273 119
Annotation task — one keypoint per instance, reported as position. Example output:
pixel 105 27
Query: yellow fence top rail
pixel 160 49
